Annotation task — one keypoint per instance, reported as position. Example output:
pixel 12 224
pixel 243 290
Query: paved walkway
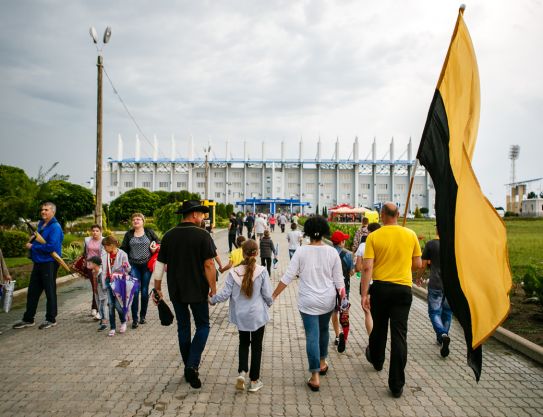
pixel 71 370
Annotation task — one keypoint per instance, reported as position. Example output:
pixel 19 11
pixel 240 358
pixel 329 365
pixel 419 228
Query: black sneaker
pixel 445 345
pixel 143 321
pixel 22 324
pixel 192 377
pixel 336 341
pixel 47 324
pixel 341 343
pixel 135 324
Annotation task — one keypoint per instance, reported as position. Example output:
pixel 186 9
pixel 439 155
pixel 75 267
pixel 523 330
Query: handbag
pixel 80 266
pixel 164 313
pixel 7 295
pixel 152 261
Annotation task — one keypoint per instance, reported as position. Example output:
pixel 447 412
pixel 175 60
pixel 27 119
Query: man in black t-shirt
pixel 438 307
pixel 188 251
pixel 232 230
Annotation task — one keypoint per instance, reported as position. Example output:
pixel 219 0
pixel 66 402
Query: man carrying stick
pixel 44 271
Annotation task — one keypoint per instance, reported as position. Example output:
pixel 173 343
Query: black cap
pixel 192 205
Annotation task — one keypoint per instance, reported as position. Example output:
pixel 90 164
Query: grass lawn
pixel 15 262
pixel 524 239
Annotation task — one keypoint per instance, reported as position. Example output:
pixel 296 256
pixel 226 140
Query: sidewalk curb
pixel 19 296
pixel 513 340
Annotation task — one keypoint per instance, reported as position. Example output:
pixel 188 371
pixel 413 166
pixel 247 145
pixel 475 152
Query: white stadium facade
pixel 300 184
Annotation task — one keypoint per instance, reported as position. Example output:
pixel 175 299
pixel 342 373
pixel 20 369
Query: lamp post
pixel 207 149
pixel 99 65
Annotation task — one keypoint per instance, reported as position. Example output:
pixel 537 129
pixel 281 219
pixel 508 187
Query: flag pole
pixel 415 166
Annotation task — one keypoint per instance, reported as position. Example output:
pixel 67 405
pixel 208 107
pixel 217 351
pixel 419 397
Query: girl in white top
pixel 248 288
pixel 319 268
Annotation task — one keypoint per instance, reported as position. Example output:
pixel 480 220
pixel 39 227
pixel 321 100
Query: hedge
pixel 12 243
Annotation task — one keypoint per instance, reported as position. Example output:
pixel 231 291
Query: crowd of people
pixel 385 255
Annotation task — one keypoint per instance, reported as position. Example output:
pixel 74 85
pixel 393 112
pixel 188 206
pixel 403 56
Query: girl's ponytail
pixel 250 250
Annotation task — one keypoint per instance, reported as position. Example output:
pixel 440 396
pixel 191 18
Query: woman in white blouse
pixel 319 269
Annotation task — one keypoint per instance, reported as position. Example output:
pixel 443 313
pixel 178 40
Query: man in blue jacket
pixel 44 271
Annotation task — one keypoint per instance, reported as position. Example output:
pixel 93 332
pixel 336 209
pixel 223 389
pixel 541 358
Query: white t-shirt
pixel 360 250
pixel 319 269
pixel 294 238
pixel 260 225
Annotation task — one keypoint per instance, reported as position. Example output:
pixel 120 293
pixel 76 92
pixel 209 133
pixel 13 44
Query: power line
pixel 128 112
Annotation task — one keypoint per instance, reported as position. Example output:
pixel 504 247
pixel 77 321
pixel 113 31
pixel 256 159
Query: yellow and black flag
pixel 473 242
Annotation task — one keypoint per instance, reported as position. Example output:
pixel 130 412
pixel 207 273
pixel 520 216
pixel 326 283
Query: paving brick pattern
pixel 71 370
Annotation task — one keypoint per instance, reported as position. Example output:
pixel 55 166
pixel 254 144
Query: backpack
pixel 344 268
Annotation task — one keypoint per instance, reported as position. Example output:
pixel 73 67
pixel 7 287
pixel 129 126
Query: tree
pixel 418 213
pixel 424 210
pixel 137 200
pixel 72 200
pixel 17 195
pixel 166 218
pixel 183 195
pixel 220 210
pixel 164 197
pixel 229 210
pixel 541 194
pixel 531 195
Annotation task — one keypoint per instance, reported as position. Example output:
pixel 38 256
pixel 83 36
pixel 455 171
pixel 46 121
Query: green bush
pixel 533 283
pixel 138 200
pixel 12 243
pixel 165 217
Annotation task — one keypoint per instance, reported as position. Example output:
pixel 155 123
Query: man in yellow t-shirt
pixel 390 256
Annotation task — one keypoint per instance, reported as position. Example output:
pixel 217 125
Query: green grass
pixel 524 239
pixel 14 262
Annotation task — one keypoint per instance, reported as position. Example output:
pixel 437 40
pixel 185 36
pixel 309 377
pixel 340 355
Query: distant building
pixel 318 182
pixel 532 207
pixel 518 194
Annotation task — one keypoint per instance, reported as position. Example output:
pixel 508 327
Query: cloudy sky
pixel 258 71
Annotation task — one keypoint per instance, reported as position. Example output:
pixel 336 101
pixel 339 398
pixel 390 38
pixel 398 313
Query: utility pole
pixel 98 209
pixel 99 65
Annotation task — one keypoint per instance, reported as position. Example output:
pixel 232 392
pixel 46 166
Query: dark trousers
pixel 231 241
pixel 390 302
pixel 267 262
pixel 142 273
pixel 249 232
pixel 94 284
pixel 43 278
pixel 255 340
pixel 191 351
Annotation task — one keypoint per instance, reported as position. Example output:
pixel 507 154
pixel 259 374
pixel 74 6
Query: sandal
pixel 313 387
pixel 324 370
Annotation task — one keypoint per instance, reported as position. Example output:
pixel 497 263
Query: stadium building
pixel 267 184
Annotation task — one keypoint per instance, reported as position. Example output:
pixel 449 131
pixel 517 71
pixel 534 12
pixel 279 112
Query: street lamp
pixel 207 149
pixel 99 64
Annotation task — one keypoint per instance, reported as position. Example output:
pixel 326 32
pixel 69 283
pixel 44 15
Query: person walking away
pixel 319 269
pixel 359 255
pixel 115 260
pixel 439 310
pixel 188 251
pixel 294 238
pixel 236 256
pixel 232 230
pixel 248 288
pixel 272 222
pixel 391 253
pixel 94 265
pixel 93 247
pixel 267 248
pixel 282 222
pixel 260 226
pixel 249 224
pixel 43 277
pixel 361 234
pixel 140 243
pixel 338 239
pixel 240 224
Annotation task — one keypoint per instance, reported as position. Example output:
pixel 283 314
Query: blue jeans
pixel 142 273
pixel 316 338
pixel 440 313
pixel 114 304
pixel 191 351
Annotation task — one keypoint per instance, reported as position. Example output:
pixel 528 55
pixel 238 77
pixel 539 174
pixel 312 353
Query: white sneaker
pixel 255 386
pixel 240 381
pixel 93 312
pixel 97 316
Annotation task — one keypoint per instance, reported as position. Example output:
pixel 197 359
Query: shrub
pixel 138 200
pixel 13 243
pixel 165 217
pixel 533 283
